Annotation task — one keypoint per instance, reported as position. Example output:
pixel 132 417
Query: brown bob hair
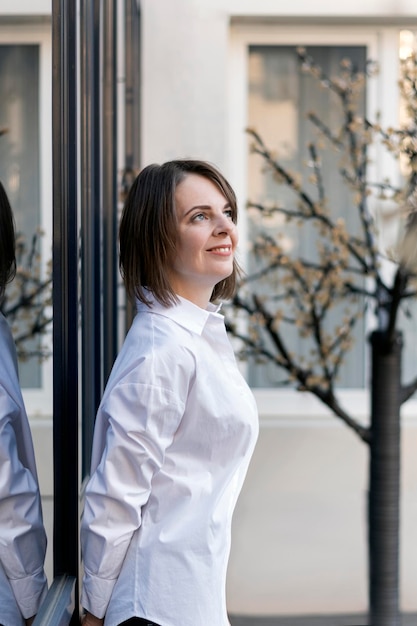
pixel 7 242
pixel 148 229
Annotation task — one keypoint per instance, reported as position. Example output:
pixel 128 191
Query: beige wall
pixel 299 541
pixel 26 7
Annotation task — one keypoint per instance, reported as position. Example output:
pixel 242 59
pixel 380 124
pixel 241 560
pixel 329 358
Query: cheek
pixel 188 251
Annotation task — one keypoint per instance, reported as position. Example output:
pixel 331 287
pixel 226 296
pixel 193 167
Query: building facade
pixel 300 537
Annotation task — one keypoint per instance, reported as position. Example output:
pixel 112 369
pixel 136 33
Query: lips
pixel 221 249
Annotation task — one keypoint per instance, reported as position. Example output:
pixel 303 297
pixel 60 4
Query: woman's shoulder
pixel 9 379
pixel 5 332
pixel 8 358
pixel 160 332
pixel 154 352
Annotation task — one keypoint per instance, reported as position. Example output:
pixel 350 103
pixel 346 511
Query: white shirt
pixel 173 438
pixel 22 536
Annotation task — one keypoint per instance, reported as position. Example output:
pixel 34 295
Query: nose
pixel 224 225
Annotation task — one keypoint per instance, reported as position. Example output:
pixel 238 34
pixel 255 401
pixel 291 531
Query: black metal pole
pixel 384 489
pixel 133 77
pixel 91 276
pixel 65 292
pixel 109 156
pixel 132 109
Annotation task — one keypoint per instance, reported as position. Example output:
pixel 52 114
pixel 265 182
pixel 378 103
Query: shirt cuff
pixel 96 594
pixel 29 592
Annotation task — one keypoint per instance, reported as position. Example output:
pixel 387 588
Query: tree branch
pixel 408 390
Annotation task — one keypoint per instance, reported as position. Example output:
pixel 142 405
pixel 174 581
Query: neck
pixel 196 296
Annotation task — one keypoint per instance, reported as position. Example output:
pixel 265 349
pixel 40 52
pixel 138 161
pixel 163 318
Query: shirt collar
pixel 185 313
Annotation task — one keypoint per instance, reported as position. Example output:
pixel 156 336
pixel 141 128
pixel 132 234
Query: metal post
pixel 91 275
pixel 133 76
pixel 109 157
pixel 132 108
pixel 65 292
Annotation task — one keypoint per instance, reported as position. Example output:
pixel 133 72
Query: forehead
pixel 196 190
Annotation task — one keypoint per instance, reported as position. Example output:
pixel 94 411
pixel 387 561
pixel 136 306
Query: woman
pixel 22 535
pixel 177 423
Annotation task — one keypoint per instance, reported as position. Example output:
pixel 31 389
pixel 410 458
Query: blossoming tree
pixel 28 301
pixel 348 272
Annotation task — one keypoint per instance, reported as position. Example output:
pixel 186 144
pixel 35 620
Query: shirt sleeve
pixel 140 422
pixel 22 534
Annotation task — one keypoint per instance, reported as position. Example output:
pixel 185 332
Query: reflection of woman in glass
pixel 177 424
pixel 22 535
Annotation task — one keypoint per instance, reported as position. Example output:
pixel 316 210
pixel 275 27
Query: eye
pixel 229 213
pixel 198 217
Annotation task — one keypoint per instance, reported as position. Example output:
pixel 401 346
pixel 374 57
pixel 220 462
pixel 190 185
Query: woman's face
pixel 206 239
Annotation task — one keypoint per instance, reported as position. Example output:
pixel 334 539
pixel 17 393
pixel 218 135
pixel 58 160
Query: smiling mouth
pixel 221 249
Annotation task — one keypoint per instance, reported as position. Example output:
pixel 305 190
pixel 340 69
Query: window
pixel 268 93
pixel 25 168
pixel 279 98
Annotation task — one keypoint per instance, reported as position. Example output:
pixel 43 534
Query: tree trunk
pixel 384 486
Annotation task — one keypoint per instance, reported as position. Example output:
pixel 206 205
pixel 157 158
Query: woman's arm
pixel 140 421
pixel 23 545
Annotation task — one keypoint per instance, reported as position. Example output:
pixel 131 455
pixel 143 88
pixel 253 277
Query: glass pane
pixel 280 96
pixel 19 156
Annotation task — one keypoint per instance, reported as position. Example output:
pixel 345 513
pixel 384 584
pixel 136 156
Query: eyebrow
pixel 205 207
